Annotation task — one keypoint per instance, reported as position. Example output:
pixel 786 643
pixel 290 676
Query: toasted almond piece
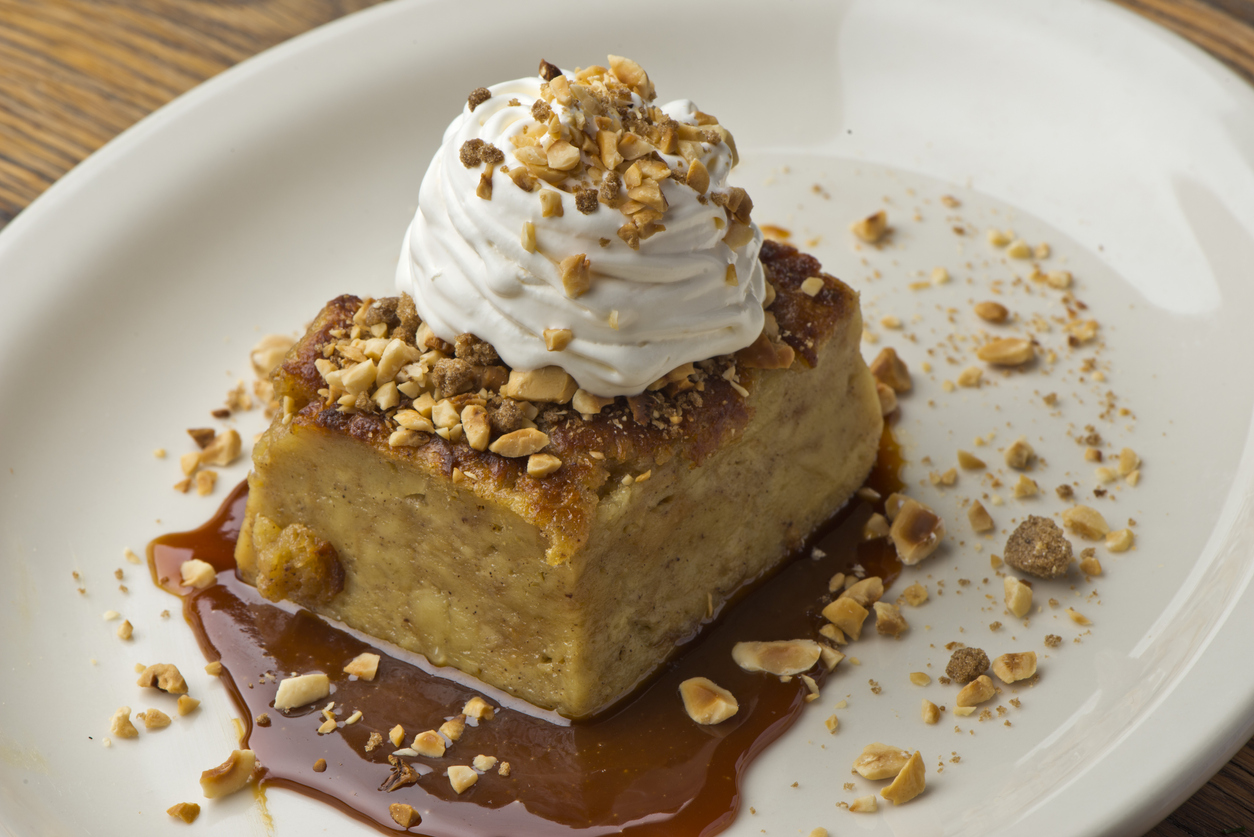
pixel 706 702
pixel 185 811
pixel 781 657
pixel 1018 596
pixel 976 692
pixel 880 761
pixel 865 592
pixel 429 744
pixel 230 776
pixel 909 782
pixel 891 370
pixel 462 777
pixel 981 520
pixel 163 676
pixel 914 595
pixel 479 709
pixel 404 815
pixel 1119 540
pixel 698 177
pixel 301 690
pixel 993 312
pixel 888 620
pixel 847 615
pixel 120 724
pixel 871 228
pixel 198 574
pixel 548 384
pixel 476 427
pixel 453 728
pixel 969 461
pixel 830 657
pixel 589 404
pixel 1019 454
pixel 1007 351
pixel 519 443
pixel 1087 522
pixel 551 204
pixel 364 666
pixel 916 532
pixel 887 396
pixel 556 339
pixel 542 464
pixel 1010 668
pixel 562 156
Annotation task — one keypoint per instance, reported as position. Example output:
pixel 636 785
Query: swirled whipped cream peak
pixel 569 221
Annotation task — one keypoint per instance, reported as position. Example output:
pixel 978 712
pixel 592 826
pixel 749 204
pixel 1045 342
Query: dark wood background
pixel 75 73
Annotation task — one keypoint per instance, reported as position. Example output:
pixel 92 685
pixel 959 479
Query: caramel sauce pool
pixel 643 768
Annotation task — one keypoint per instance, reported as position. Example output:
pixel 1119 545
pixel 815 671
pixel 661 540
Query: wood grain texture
pixel 75 73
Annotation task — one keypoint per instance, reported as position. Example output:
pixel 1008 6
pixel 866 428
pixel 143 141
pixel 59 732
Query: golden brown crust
pixel 632 435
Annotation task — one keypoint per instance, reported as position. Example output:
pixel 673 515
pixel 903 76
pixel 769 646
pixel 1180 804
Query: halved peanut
pixel 781 657
pixel 706 702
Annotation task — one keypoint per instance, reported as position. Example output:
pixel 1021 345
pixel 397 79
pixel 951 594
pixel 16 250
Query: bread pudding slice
pixel 566 574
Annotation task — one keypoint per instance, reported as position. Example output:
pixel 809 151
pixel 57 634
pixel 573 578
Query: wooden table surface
pixel 74 73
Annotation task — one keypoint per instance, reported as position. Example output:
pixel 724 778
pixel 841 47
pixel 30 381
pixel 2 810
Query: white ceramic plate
pixel 136 285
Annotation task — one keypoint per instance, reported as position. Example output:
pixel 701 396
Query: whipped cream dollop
pixel 570 222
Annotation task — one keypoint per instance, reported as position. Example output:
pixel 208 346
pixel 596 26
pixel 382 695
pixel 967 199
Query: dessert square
pixel 555 545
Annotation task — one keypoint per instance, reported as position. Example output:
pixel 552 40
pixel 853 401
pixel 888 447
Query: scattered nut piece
pixel 993 312
pixel 1020 454
pixel 876 526
pixel 871 228
pixel 1018 596
pixel 214 668
pixel 1025 487
pixel 542 464
pixel 154 719
pixel 880 761
pixel 866 591
pixel 891 370
pixel 462 777
pixel 453 728
pixel 1078 618
pixel 1038 547
pixel 198 574
pixel 230 776
pixel 1007 351
pixel 187 704
pixel 520 443
pixel 165 677
pixel 909 783
pixel 1019 249
pixel 914 595
pixel 888 620
pixel 863 805
pixel 888 398
pixel 364 666
pixel 847 615
pixel 920 678
pixel 429 744
pixel 1119 540
pixel 981 520
pixel 120 724
pixel 977 691
pixel 969 461
pixel 966 665
pixel 1087 522
pixel 706 702
pixel 812 285
pixel 396 735
pixel 972 376
pixel 782 657
pixel 404 815
pixel 185 811
pixel 1010 668
pixel 916 532
pixel 832 723
pixel 1128 462
pixel 301 690
pixel 125 630
pixel 320 766
pixel 479 709
pixel 931 712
